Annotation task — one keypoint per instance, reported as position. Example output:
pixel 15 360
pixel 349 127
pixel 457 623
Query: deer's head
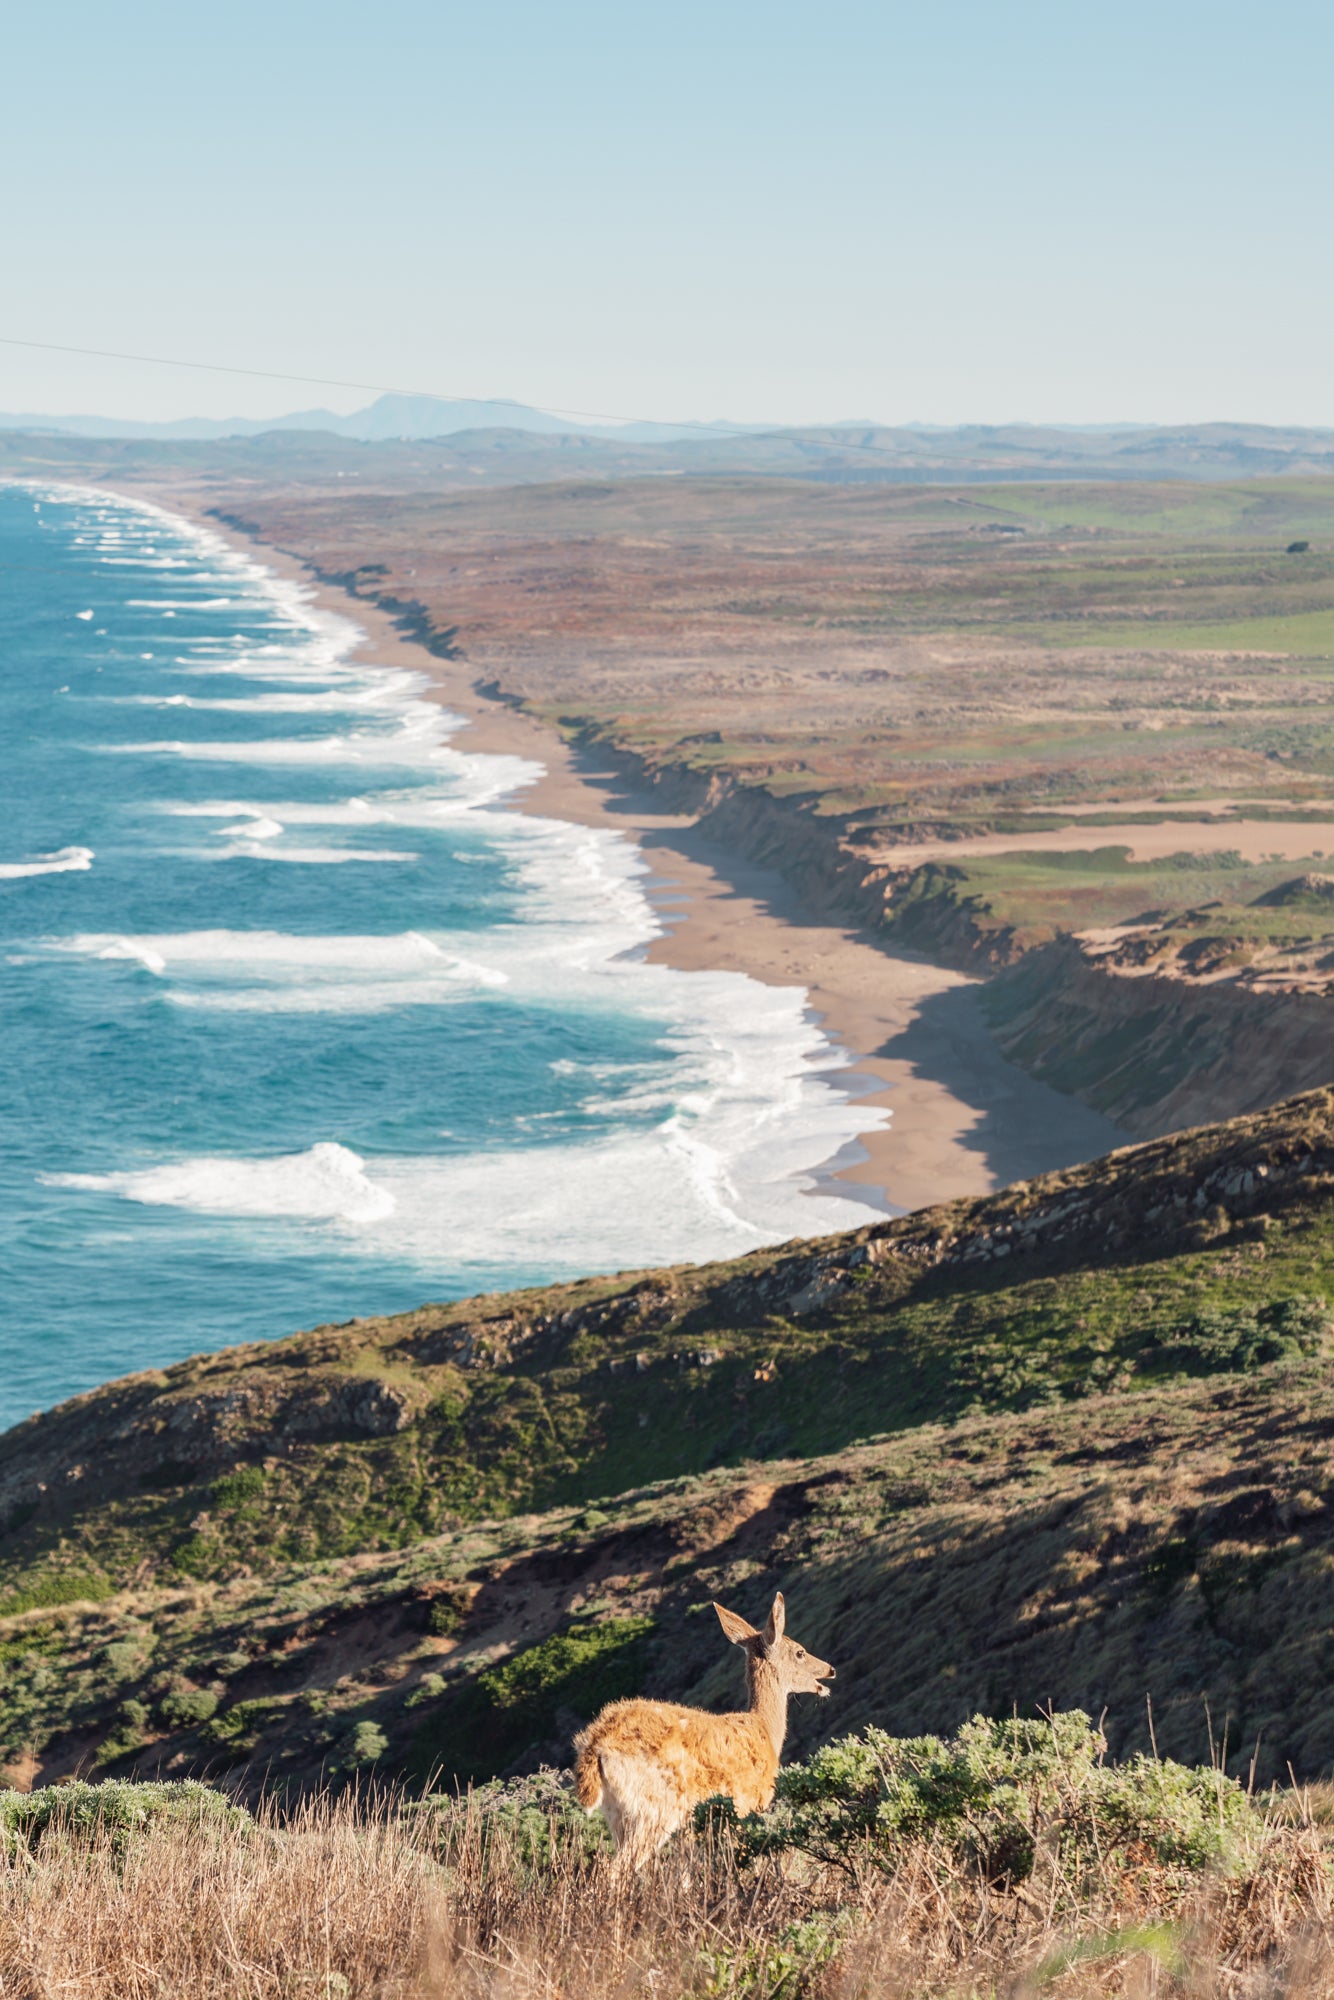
pixel 796 1670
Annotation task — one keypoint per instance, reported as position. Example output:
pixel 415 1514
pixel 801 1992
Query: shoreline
pixel 963 1120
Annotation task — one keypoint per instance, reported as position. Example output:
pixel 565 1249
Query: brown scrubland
pixel 364 1900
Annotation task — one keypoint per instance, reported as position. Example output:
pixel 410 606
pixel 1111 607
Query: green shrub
pixel 123 1659
pixel 992 1797
pixel 196 1556
pixel 239 1727
pixel 429 1688
pixel 488 1723
pixel 366 1743
pixel 127 1734
pixel 237 1489
pixel 533 1817
pixel 587 1657
pixel 111 1809
pixel 188 1706
pixel 787 1966
pixel 57 1587
pixel 227 1663
pixel 1238 1338
pixel 448 1610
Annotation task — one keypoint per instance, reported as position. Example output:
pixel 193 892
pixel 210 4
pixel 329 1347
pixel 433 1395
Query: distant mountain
pixel 389 417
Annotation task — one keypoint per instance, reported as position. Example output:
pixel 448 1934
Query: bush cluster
pixel 1237 1338
pixel 992 1799
pixel 111 1809
pixel 532 1817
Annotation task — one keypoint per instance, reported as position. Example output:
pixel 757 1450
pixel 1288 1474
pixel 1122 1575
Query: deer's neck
pixel 768 1702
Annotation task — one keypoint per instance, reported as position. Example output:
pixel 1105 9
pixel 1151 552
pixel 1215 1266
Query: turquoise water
pixel 299 1019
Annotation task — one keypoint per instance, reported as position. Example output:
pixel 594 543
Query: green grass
pixel 1274 511
pixel 1025 898
pixel 49 1586
pixel 1309 634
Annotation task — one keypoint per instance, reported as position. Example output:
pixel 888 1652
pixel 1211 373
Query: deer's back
pixel 695 1753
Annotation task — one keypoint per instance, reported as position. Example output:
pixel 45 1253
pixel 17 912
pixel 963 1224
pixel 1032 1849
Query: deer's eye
pixel 800 1654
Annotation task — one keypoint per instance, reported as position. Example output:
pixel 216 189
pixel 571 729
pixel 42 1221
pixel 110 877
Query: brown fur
pixel 648 1764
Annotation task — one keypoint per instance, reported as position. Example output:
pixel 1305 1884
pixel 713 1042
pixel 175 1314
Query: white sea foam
pixel 410 746
pixel 253 848
pixel 336 701
pixel 268 972
pixel 258 827
pixel 130 948
pixel 328 1183
pixel 621 1201
pixel 722 1138
pixel 61 862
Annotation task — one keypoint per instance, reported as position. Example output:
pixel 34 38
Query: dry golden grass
pixel 369 1902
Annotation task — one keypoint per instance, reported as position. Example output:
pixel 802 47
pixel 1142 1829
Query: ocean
pixel 300 1020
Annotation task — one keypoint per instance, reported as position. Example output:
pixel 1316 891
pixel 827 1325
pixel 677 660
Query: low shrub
pixel 115 1809
pixel 534 1818
pixel 365 1744
pixel 782 1967
pixel 526 1700
pixel 992 1799
pixel 239 1488
pixel 187 1707
pixel 1239 1338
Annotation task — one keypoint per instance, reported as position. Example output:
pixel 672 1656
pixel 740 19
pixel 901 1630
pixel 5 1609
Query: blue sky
pixel 938 212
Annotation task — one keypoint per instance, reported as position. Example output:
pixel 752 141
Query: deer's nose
pixel 829 1674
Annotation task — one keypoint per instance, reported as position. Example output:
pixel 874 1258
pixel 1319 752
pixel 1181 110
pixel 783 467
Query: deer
pixel 648 1764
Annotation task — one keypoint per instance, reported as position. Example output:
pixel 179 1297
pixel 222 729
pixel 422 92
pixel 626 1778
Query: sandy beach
pixel 963 1119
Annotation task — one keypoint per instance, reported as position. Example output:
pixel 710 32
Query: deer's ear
pixel 773 1627
pixel 735 1627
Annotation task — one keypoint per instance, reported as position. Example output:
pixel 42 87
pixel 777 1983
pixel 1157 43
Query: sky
pixel 941 212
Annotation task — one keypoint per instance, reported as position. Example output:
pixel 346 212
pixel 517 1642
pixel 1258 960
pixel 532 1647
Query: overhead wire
pixel 703 430
pixel 342 382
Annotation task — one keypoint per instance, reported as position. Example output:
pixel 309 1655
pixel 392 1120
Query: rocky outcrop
pixel 147 1430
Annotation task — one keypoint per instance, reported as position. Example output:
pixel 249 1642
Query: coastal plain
pixel 964 761
pixel 1068 741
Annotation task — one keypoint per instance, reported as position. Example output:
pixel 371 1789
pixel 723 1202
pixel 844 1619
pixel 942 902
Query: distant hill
pixel 413 440
pixel 390 416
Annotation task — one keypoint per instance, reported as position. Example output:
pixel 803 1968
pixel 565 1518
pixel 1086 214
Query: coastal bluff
pixel 1089 1413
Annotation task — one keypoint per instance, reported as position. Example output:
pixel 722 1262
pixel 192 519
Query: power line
pixel 329 382
pixel 431 395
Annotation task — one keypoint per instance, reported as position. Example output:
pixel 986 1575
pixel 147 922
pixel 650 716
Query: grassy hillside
pixel 1066 1441
pixel 1141 1267
pixel 1176 1543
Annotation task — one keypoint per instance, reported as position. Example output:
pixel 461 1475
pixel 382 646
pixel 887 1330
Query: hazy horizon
pixel 498 412
pixel 941 216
